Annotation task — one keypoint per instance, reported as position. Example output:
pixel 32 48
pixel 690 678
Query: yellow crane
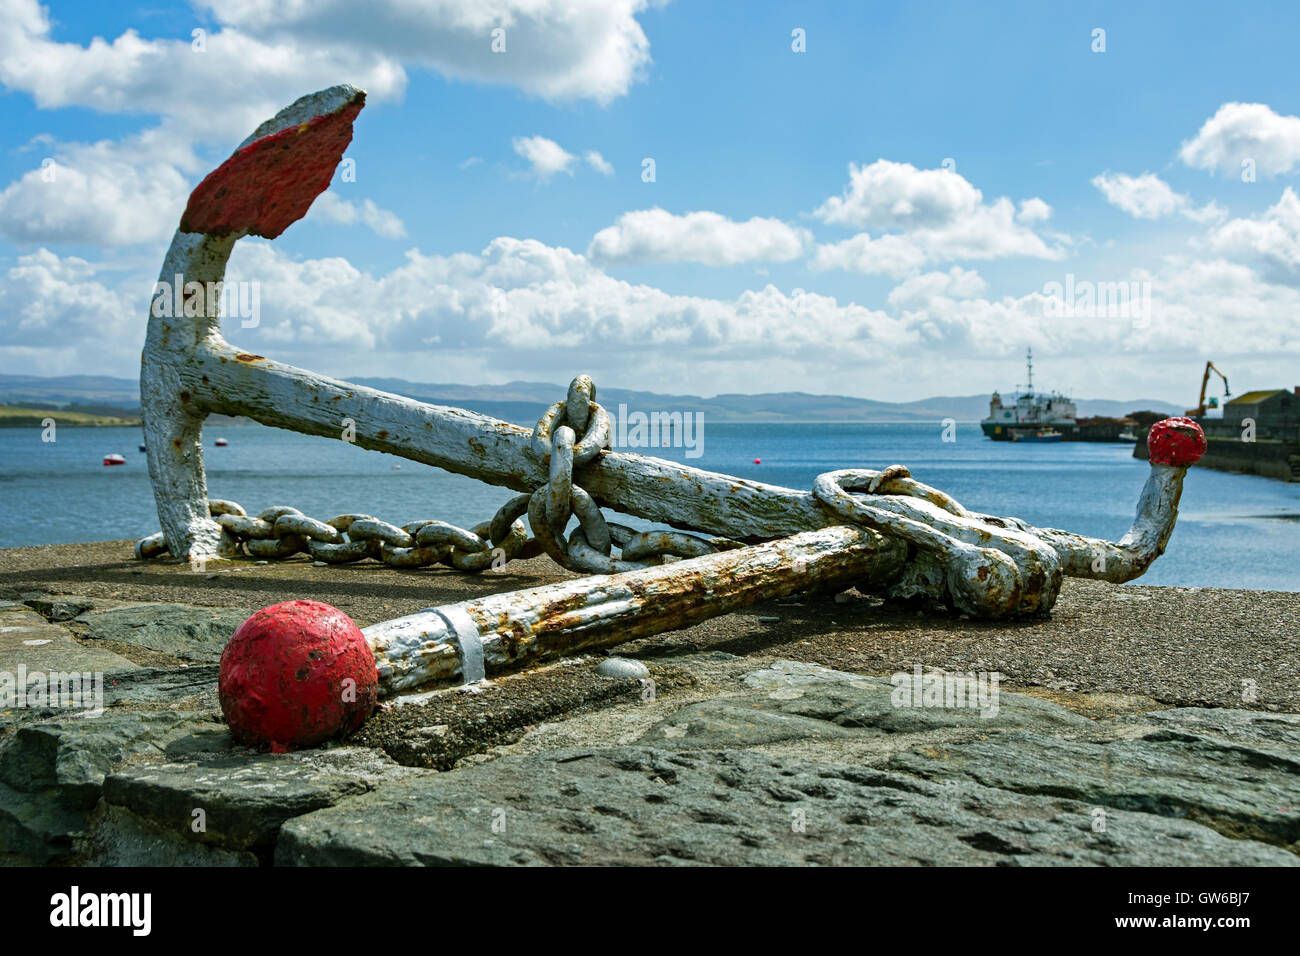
pixel 1205 380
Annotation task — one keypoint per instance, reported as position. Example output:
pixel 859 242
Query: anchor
pixel 891 534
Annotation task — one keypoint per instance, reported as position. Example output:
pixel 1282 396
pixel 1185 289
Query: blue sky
pixel 757 260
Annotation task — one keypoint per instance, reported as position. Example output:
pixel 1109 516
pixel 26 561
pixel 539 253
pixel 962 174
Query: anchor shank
pixel 519 628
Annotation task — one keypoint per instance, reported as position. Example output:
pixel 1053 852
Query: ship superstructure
pixel 1031 412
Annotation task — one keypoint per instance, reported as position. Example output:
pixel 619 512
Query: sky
pixel 889 201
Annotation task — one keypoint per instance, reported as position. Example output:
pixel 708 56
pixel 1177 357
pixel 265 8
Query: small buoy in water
pixel 397 468
pixel 758 461
pixel 221 443
pixel 114 460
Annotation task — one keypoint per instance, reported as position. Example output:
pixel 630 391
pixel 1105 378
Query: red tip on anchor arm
pixel 270 184
pixel 1176 441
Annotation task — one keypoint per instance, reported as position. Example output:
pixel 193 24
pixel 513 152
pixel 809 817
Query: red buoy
pixel 1175 441
pixel 758 461
pixel 296 674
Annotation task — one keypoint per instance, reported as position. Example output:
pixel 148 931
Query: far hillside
pixel 17 416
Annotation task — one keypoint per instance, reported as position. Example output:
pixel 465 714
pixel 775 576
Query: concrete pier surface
pixel 1160 712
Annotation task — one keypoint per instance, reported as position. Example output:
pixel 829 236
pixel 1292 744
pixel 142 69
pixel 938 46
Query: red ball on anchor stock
pixel 1176 441
pixel 296 674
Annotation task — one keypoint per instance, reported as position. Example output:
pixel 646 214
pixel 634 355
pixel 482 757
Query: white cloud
pixel 104 194
pixel 940 216
pixel 545 156
pixel 1245 131
pixel 598 162
pixel 268 52
pixel 330 207
pixel 133 190
pixel 554 49
pixel 1271 239
pixel 655 235
pixel 889 195
pixel 250 77
pixel 1149 197
pixel 987 232
pixel 1033 210
pixel 888 255
pixel 520 308
pixel 929 288
pixel 67 315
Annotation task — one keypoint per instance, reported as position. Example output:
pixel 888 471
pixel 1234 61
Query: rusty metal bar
pixel 464 641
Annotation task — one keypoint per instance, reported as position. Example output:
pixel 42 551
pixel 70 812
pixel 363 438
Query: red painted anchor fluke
pixel 270 182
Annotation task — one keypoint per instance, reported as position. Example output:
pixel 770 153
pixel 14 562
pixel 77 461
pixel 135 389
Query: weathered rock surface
pixel 797 701
pixel 238 801
pixel 52 772
pixel 178 630
pixel 55 609
pixel 639 805
pixel 120 838
pixel 1246 788
pixel 28 639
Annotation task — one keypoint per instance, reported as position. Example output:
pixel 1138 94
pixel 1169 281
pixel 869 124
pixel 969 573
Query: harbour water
pixel 1235 531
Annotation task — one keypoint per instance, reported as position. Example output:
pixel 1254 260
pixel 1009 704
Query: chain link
pixel 570 434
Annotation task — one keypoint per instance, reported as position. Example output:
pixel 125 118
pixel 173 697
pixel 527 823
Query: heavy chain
pixel 569 434
pixel 281 531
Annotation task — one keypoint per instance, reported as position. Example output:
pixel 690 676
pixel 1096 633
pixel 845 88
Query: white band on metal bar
pixel 469 643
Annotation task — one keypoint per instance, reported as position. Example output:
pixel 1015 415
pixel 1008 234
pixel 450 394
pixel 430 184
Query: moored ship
pixel 1047 416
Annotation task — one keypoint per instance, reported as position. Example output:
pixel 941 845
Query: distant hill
pixel 15 416
pixel 522 402
pixel 69 390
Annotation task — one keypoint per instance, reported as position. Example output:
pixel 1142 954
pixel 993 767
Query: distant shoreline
pixel 18 416
pixel 34 418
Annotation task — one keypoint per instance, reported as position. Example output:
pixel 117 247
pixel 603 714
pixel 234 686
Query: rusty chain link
pixel 570 433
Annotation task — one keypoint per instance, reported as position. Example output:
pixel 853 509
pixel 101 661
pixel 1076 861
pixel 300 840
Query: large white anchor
pixel 911 539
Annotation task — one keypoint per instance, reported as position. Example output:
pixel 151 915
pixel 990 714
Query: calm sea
pixel 1233 530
